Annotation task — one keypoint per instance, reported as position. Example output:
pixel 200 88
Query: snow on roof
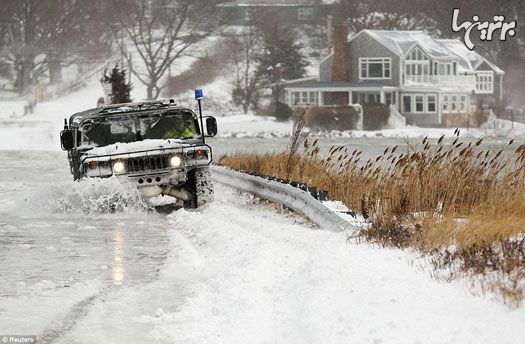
pixel 468 60
pixel 242 3
pixel 401 42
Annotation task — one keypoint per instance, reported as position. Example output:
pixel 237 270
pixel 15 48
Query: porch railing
pixel 466 82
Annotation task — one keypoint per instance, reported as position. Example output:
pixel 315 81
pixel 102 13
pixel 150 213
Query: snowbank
pixel 260 278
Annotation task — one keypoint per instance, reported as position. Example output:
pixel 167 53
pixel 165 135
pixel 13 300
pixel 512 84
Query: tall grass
pixel 456 200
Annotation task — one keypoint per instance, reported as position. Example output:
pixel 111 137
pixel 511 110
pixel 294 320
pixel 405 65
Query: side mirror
pixel 211 126
pixel 67 139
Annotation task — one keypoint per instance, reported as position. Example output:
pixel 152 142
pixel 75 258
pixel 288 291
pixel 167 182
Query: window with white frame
pixel 305 13
pixel 445 68
pixel 304 98
pixel 407 103
pixel 445 103
pixel 390 98
pixel 485 82
pixel 462 106
pixel 375 68
pixel 454 103
pixel 368 97
pixel 431 103
pixel 419 101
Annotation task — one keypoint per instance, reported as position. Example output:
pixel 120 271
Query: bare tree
pixel 382 14
pixel 246 88
pixel 161 32
pixel 38 37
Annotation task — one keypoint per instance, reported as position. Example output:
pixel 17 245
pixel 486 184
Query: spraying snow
pixel 87 198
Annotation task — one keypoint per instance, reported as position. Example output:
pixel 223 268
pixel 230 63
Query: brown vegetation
pixel 375 116
pixel 460 203
pixel 329 117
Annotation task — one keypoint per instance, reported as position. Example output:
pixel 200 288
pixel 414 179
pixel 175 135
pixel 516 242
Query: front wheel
pixel 200 188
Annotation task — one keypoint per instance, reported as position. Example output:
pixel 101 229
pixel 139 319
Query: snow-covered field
pixel 233 272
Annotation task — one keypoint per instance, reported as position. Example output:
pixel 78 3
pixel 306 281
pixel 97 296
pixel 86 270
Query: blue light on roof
pixel 199 94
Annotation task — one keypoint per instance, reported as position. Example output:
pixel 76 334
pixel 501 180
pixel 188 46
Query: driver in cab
pixel 180 130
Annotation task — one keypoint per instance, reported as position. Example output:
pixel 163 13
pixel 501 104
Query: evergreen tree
pixel 282 57
pixel 120 89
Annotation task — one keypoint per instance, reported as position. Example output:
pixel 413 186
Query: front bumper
pixel 169 177
pixel 147 168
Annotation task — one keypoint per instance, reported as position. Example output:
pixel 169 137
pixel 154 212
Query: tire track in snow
pixel 77 312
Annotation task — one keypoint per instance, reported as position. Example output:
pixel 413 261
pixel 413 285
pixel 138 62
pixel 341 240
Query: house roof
pixel 260 3
pixel 468 60
pixel 402 42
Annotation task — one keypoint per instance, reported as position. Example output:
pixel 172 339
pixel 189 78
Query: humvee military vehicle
pixel 158 146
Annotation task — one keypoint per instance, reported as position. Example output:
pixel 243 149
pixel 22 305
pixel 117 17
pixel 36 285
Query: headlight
pixel 119 167
pixel 176 161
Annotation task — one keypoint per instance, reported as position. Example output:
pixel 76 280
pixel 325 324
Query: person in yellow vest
pixel 179 131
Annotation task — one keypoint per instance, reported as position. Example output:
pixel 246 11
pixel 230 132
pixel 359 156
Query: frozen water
pixel 62 241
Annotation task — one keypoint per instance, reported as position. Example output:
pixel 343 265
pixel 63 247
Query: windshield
pixel 125 129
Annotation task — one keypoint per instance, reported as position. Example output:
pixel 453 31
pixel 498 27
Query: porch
pixel 330 94
pixel 464 82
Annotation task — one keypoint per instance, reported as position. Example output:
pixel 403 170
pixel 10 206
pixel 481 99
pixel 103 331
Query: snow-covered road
pixel 234 272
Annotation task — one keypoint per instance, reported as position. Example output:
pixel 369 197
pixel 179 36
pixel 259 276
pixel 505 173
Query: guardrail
pixel 285 194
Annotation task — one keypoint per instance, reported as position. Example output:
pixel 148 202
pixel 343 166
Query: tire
pixel 200 187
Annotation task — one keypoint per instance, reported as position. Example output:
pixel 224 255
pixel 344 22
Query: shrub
pixel 331 118
pixel 282 112
pixel 375 116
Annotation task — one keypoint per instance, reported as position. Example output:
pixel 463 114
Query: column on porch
pixel 382 97
pixel 349 97
pixel 320 98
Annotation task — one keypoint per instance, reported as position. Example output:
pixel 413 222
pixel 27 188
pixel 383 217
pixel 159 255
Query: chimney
pixel 330 33
pixel 340 70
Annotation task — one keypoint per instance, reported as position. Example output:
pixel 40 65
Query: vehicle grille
pixel 147 164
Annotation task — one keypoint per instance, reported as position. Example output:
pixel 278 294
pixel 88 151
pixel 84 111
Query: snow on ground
pixel 40 130
pixel 252 126
pixel 240 273
pixel 44 301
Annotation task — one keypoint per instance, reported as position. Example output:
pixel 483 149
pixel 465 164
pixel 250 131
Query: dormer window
pixel 417 63
pixel 418 55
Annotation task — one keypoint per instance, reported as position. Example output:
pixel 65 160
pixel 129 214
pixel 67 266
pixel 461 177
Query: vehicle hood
pixel 126 148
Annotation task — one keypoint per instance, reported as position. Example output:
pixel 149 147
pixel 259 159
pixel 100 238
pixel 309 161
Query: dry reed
pixel 460 202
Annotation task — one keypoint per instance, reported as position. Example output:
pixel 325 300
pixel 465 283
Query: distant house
pixel 422 78
pixel 241 12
